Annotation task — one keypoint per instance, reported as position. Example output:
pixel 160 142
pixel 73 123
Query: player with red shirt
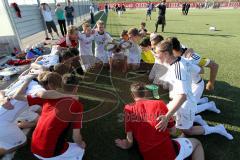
pixel 57 117
pixel 71 39
pixel 140 121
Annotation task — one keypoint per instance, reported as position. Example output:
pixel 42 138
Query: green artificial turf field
pixel 103 95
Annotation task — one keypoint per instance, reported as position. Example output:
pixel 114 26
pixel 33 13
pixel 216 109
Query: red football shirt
pixel 57 117
pixel 62 43
pixel 140 119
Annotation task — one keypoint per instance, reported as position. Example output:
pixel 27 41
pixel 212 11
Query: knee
pixel 195 142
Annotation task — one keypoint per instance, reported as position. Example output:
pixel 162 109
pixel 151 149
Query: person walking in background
pixel 47 16
pixel 106 8
pixel 184 8
pixel 187 8
pixel 149 10
pixel 59 12
pixel 69 13
pixel 91 8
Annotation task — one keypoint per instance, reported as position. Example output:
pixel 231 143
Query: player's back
pixel 141 119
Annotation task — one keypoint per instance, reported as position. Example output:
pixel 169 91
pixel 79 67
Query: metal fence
pixel 31 21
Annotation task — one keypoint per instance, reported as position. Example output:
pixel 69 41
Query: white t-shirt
pixel 19 106
pixel 85 44
pixel 195 57
pixel 100 41
pixel 49 60
pixel 179 78
pixel 134 53
pixel 47 15
pixel 91 8
pixel 196 77
pixel 54 50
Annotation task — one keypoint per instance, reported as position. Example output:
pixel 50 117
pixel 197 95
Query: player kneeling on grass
pixel 183 104
pixel 189 54
pixel 134 56
pixel 140 120
pixel 58 116
pixel 147 55
pixel 101 38
pixel 197 81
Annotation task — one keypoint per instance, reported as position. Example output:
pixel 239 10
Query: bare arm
pixel 77 138
pixel 38 66
pixel 68 42
pixel 213 74
pixel 157 5
pixel 173 106
pixel 173 130
pixel 20 93
pixel 53 94
pixel 188 53
pixel 2 94
pixel 125 143
pixel 25 73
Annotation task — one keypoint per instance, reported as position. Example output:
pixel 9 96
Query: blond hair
pixel 164 46
pixel 50 78
pixel 100 22
pixel 85 25
pixel 72 30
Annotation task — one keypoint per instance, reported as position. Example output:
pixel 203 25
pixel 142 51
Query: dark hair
pixel 145 42
pixel 166 45
pixel 74 51
pixel 138 89
pixel 124 32
pixel 65 55
pixel 175 42
pixel 70 82
pixel 157 39
pixel 144 24
pixel 61 69
pixel 134 32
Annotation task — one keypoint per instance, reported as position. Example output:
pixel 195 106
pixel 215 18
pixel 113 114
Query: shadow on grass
pixel 203 34
pixel 202 15
pixel 227 100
